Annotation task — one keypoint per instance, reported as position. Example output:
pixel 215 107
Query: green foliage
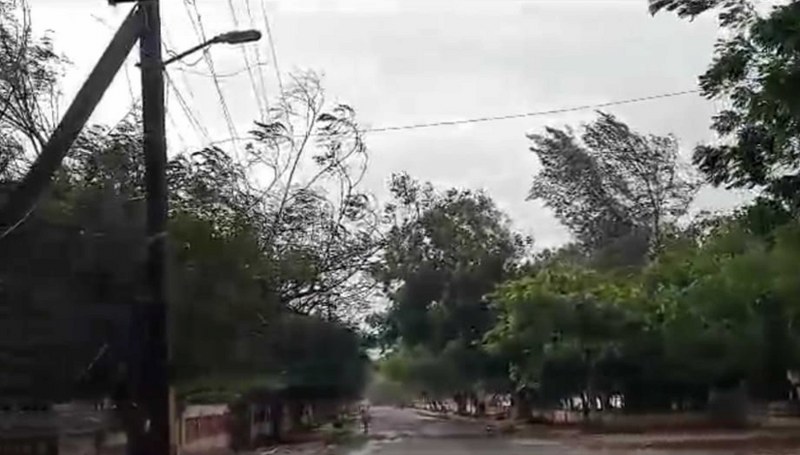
pixel 443 254
pixel 67 281
pixel 382 391
pixel 712 309
pixel 250 269
pixel 754 67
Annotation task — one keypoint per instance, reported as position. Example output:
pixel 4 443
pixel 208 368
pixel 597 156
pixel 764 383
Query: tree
pixel 69 278
pixel 245 256
pixel 753 67
pixel 444 253
pixel 228 268
pixel 713 309
pixel 29 75
pixel 558 327
pixel 612 187
pixel 316 218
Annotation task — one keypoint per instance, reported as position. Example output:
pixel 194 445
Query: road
pixel 405 431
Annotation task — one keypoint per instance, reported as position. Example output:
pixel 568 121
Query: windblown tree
pixel 611 185
pixel 68 280
pixel 30 72
pixel 246 254
pixel 754 71
pixel 712 311
pixel 444 253
pixel 316 217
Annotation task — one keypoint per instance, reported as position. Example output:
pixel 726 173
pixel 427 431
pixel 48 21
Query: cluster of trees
pixel 275 257
pixel 640 308
pixel 648 308
pixel 269 255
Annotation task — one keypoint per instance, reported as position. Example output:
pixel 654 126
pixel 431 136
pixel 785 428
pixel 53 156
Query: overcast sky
pixel 415 61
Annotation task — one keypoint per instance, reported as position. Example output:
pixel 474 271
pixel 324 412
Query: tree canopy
pixel 265 276
pixel 278 256
pixel 754 69
pixel 612 187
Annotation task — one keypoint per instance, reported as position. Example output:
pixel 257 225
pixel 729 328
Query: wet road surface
pixel 406 431
pixel 410 432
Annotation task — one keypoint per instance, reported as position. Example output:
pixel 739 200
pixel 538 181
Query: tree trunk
pixel 585 406
pixel 461 403
pixel 480 408
pixel 775 385
pixel 522 405
pixel 589 395
pixel 276 419
pixel 296 409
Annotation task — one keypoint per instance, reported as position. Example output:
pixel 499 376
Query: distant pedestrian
pixel 365 417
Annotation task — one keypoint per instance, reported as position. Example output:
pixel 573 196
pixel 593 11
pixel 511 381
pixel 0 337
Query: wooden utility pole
pixel 147 412
pixel 153 390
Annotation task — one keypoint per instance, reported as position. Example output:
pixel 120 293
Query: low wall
pixel 203 428
pixel 617 421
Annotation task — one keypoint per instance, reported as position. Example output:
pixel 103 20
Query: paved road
pixel 404 431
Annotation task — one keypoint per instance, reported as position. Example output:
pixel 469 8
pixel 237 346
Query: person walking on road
pixel 365 417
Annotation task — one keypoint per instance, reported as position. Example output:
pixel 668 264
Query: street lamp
pixel 235 37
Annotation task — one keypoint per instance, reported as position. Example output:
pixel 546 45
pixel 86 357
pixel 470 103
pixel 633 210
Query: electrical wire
pixel 197 24
pixel 198 118
pixel 186 109
pixel 584 107
pixel 170 118
pixel 274 52
pixel 219 75
pixel 125 65
pixel 259 61
pixel 247 63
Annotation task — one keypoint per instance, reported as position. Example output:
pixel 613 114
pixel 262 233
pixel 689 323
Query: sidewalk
pixel 778 437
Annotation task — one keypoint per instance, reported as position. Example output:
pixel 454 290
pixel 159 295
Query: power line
pixel 195 118
pixel 247 63
pixel 526 114
pixel 200 31
pixel 219 75
pixel 272 48
pixel 259 61
pixel 105 23
pixel 413 126
pixel 169 116
pixel 199 128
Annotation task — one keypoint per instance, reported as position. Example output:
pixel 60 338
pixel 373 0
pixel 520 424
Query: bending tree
pixel 316 217
pixel 610 185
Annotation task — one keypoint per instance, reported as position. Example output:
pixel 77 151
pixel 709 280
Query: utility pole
pixel 148 409
pixel 153 391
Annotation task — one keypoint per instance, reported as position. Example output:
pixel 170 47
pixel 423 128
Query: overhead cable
pixel 584 107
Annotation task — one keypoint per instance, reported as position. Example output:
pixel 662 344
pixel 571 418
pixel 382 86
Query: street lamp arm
pixel 187 52
pixel 235 37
